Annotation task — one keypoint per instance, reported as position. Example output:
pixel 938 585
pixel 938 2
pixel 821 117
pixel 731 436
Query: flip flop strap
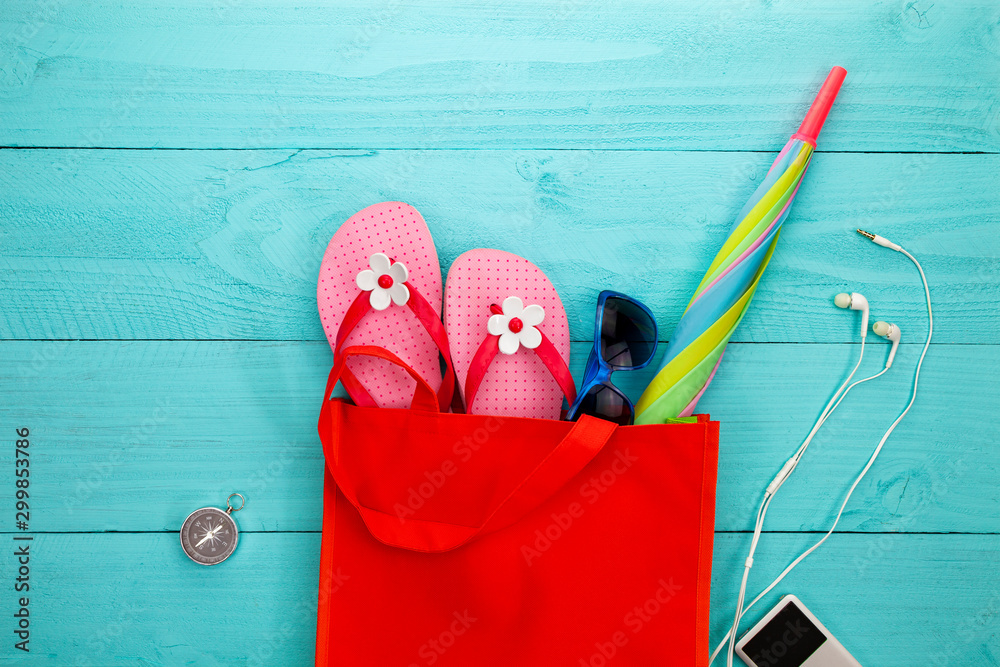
pixel 427 317
pixel 488 351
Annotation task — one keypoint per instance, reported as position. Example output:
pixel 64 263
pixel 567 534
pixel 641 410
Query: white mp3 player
pixel 790 636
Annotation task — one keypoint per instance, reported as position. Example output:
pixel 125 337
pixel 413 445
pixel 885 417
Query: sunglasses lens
pixel 604 402
pixel 628 334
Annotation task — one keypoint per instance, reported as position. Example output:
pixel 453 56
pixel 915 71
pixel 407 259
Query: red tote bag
pixel 471 540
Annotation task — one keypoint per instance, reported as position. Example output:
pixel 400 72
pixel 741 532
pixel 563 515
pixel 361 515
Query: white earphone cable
pixel 834 402
pixel 762 511
pixel 778 482
pixel 773 487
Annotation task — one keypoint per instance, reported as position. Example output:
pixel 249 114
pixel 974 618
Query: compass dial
pixel 209 536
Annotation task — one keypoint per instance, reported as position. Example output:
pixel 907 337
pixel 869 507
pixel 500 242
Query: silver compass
pixel 209 534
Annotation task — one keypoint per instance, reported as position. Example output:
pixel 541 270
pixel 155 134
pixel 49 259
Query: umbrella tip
pixel 816 116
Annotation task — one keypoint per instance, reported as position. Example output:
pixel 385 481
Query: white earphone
pixel 890 332
pixel 855 301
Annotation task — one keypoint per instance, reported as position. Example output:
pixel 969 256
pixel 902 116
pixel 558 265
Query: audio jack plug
pixel 875 238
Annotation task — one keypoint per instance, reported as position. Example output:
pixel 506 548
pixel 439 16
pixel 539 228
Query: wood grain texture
pixel 133 435
pixel 696 76
pixel 549 129
pixel 136 599
pixel 227 244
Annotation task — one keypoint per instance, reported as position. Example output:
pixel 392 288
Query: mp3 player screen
pixel 786 641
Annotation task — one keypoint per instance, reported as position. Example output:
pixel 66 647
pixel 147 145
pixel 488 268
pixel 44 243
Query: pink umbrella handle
pixel 813 122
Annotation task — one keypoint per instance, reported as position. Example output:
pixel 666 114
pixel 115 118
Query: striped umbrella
pixel 699 341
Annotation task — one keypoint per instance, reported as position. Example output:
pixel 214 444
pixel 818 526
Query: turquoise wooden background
pixel 172 171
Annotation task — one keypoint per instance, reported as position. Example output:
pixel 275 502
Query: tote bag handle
pixel 581 443
pixel 424 398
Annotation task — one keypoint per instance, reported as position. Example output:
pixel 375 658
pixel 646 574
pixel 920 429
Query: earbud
pixel 855 301
pixel 890 332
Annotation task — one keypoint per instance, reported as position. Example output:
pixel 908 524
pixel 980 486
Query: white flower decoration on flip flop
pixel 386 282
pixel 516 325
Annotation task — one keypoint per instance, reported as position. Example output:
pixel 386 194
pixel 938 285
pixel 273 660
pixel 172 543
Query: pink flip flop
pixel 509 336
pixel 380 285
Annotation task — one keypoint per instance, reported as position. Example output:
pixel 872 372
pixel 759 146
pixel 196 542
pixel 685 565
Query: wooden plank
pixel 227 244
pixel 136 599
pixel 132 435
pixel 703 76
pixel 885 597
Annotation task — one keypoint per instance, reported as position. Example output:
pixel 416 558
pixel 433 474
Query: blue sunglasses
pixel 624 340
